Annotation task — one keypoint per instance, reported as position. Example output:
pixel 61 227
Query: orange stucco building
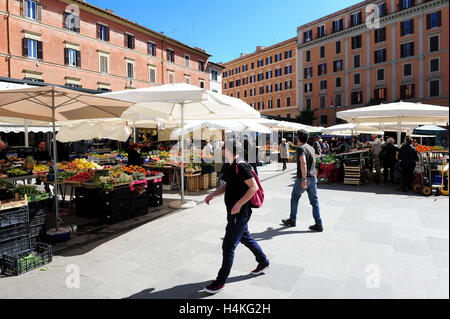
pixel 73 43
pixel 265 79
pixel 349 59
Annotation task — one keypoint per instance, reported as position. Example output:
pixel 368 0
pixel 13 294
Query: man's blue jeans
pixel 297 193
pixel 237 232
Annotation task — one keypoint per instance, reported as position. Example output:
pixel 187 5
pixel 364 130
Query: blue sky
pixel 225 29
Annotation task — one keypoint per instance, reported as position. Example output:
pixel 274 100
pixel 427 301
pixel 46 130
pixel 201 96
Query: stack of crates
pixel 139 200
pixel 117 204
pixel 154 191
pixel 20 250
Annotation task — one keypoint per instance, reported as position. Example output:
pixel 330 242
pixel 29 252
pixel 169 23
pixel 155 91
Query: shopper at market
pixel 239 188
pixel 306 182
pixel 389 157
pixel 408 158
pixel 317 147
pixel 42 155
pixel 326 147
pixel 134 158
pixel 148 147
pixel 342 146
pixel 3 157
pixel 376 150
pixel 207 150
pixel 284 153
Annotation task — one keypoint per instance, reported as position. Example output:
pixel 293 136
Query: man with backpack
pixel 240 188
pixel 306 182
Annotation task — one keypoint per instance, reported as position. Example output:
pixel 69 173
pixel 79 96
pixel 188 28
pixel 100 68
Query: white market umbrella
pixel 399 115
pixel 182 102
pixel 350 129
pixel 288 126
pixel 113 129
pixel 52 104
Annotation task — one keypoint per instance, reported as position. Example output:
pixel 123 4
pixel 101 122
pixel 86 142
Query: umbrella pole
pixel 135 132
pixel 399 132
pixel 182 152
pixel 55 161
pixel 26 134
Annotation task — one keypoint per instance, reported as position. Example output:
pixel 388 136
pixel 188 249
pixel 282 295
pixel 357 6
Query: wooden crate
pixel 212 180
pixel 193 182
pixel 352 175
pixel 204 181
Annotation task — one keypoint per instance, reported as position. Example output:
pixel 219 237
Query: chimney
pixel 242 54
pixel 259 48
pixel 109 10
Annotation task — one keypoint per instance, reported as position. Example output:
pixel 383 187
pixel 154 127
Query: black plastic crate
pixel 140 211
pixel 119 193
pixel 16 246
pixel 14 216
pixel 156 202
pixel 154 187
pixel 14 264
pixel 38 220
pixel 11 233
pixel 37 231
pixel 139 202
pixel 114 217
pixel 40 205
pixel 117 205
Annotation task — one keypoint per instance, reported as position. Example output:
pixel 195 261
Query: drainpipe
pixel 8 9
pixel 162 62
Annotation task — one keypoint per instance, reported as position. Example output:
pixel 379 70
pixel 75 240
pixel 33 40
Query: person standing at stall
pixel 134 158
pixel 284 153
pixel 408 158
pixel 317 146
pixel 3 157
pixel 42 155
pixel 376 150
pixel 389 157
pixel 148 147
pixel 306 182
pixel 239 187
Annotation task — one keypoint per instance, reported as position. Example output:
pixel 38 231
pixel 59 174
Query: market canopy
pixel 430 130
pixel 349 129
pixel 113 129
pixel 400 115
pixel 12 128
pixel 288 126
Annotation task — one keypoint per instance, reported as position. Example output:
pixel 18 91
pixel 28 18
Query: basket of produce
pixel 17 264
pixel 79 178
pixel 17 172
pixel 423 148
pixel 40 169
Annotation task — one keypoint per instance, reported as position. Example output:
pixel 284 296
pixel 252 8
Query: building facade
pixel 215 76
pixel 348 59
pixel 73 43
pixel 265 79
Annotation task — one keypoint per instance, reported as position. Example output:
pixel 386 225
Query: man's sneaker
pixel 260 269
pixel 288 222
pixel 214 288
pixel 317 228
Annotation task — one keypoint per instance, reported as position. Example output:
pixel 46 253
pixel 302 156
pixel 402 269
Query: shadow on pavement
pixel 187 291
pixel 387 189
pixel 270 233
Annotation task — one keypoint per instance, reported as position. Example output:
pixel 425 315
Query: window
pixel 102 32
pixel 268 75
pixel 407 27
pixel 322 69
pixel 380 35
pixel 171 78
pixel 323 120
pixel 278 72
pixel 380 75
pixel 381 94
pixel 187 60
pixel 357 97
pixel 288 101
pixel 32 48
pixel 308 87
pixel 225 74
pixel 356 42
pixel 434 43
pixel 130 41
pixel 380 56
pixel 224 86
pixel 288 69
pixel 152 75
pixel 238 70
pixel 260 105
pixel 356 61
pixel 270 104
pixel 72 57
pixel 202 85
pixel 307 36
pixel 434 65
pixel 152 49
pixel 171 55
pixel 278 87
pixel 245 93
pixel 268 60
pixel 252 65
pixel 337 66
pixel 407 50
pixel 338 47
pixel 338 25
pixel 338 82
pixel 322 101
pixel 435 88
pixel 338 99
pixel 405 4
pixel 407 69
pixel 130 70
pixel 71 22
pixel 288 85
pixel 245 68
pixel 288 54
pixel 238 93
pixel 308 103
pixel 31 9
pixel 261 90
pixel 238 82
pixel 260 63
pixel 201 66
pixel 434 20
pixel 231 84
pixel 104 63
pixel 382 10
pixel 357 78
pixel 278 103
pixel 407 91
pixel 260 77
pixel 308 56
pixel 278 57
pixel 252 79
pixel 321 31
pixel 323 85
pixel 187 79
pixel 322 52
pixel 214 75
pixel 355 19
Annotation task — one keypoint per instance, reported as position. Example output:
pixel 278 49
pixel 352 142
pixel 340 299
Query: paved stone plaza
pixel 378 243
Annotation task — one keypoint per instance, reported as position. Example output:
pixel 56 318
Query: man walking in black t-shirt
pixel 239 188
pixel 306 181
